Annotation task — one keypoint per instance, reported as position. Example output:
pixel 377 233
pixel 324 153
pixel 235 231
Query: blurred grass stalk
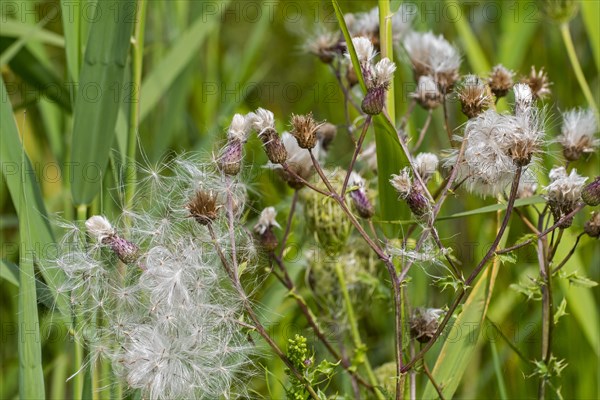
pixel 568 40
pixel 137 59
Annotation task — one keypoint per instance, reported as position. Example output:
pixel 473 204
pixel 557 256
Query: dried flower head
pixel 203 207
pixel 326 132
pixel 263 122
pixel 324 44
pixel 304 129
pixel 426 164
pixel 424 322
pixel 501 80
pixel 592 226
pixel 563 193
pixel 433 55
pixel 230 158
pixel 411 193
pixel 240 128
pixel 474 96
pixel 591 193
pixel 99 228
pixel 577 133
pixel 359 197
pixel 378 82
pixel 264 229
pixel 539 83
pixel 528 185
pixel 427 93
pixel 402 21
pixel 364 51
pixel 298 161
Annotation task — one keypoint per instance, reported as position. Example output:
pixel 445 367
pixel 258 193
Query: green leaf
pixel 99 97
pixel 507 258
pixel 560 311
pixel 19 178
pixel 15 29
pixel 577 280
pixel 9 272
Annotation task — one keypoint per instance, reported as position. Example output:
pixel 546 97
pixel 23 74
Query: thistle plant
pixel 303 250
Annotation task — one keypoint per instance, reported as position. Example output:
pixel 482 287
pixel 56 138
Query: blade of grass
pixel 36 73
pixel 185 49
pixel 498 370
pixel 95 116
pixel 15 29
pixel 41 233
pixel 70 25
pixel 591 19
pixel 31 374
pixel 475 54
pixel 9 272
pixel 516 36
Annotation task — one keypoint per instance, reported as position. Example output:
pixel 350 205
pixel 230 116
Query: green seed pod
pixel 590 194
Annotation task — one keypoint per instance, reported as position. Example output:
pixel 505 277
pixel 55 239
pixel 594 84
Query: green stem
pixel 387 50
pixel 355 333
pixel 137 56
pixel 78 379
pixel 566 35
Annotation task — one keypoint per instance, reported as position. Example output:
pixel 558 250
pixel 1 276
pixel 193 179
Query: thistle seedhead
pixel 304 129
pixel 427 93
pixel 577 133
pixel 230 159
pixel 298 161
pixel 592 226
pixel 411 193
pixel 264 229
pixel 563 193
pixel 474 96
pixel 326 132
pixel 424 322
pixel 99 228
pixel 324 44
pixel 426 165
pixel 590 194
pixel 359 197
pixel 539 83
pixel 263 122
pixel 434 56
pixel 203 207
pixel 364 51
pixel 501 80
pixel 523 98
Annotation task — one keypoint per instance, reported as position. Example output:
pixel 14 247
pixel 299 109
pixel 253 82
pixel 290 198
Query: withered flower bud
pixel 304 129
pixel 411 193
pixel 359 197
pixel 203 207
pixel 326 133
pixel 592 227
pixel 539 83
pixel 263 122
pixel 590 194
pixel 424 322
pixel 501 80
pixel 427 93
pixel 264 229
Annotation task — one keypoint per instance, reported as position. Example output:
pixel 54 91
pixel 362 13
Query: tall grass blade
pixel 9 272
pixel 96 114
pixel 19 177
pixel 591 19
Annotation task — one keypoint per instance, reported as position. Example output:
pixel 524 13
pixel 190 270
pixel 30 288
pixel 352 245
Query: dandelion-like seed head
pixel 523 98
pixel 323 44
pixel 402 182
pixel 261 120
pixel 424 322
pixel 203 207
pixel 298 161
pixel 426 165
pixel 364 50
pixel 326 132
pixel 383 73
pixel 539 83
pixel 474 96
pixel 577 133
pixel 266 220
pixel 501 80
pixel 99 228
pixel 402 22
pixel 435 56
pixel 427 93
